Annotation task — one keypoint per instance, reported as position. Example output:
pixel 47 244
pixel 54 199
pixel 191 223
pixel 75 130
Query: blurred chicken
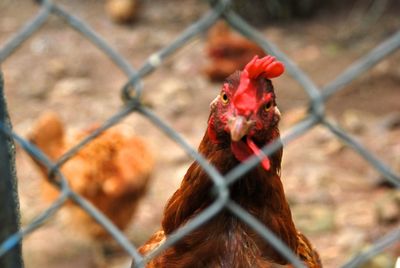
pixel 122 11
pixel 112 171
pixel 227 52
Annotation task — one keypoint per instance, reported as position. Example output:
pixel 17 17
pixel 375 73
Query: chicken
pixel 228 52
pixel 243 118
pixel 112 171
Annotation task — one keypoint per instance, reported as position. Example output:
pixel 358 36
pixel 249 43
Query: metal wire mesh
pixel 131 93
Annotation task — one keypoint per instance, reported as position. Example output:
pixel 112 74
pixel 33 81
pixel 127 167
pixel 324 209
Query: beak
pixel 239 126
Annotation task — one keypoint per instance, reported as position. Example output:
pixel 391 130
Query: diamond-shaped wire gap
pixel 265 233
pixel 97 40
pixel 85 30
pixel 364 153
pixel 25 32
pixel 158 57
pixel 377 247
pixel 88 33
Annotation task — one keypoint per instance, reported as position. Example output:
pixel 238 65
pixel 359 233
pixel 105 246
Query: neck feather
pixel 260 192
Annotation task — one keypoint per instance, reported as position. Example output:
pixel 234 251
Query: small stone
pixel 382 68
pixel 333 146
pixel 390 122
pixel 121 11
pixel 354 122
pixel 56 68
pixel 388 208
pixel 39 89
pixel 39 46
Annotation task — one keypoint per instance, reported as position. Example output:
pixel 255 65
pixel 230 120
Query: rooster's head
pixel 245 115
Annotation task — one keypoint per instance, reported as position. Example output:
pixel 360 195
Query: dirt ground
pixel 333 192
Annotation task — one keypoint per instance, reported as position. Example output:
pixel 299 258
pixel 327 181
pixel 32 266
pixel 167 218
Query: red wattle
pixel 265 160
pixel 242 151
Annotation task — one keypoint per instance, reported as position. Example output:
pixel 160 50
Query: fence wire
pixel 131 93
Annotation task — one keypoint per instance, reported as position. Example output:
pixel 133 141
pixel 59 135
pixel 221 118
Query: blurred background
pixel 338 200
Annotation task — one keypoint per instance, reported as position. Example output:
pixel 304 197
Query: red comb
pixel 245 96
pixel 266 66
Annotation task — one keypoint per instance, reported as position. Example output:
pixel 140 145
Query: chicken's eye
pixel 224 98
pixel 267 106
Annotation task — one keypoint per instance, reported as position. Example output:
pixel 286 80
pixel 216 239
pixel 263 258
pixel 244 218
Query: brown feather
pixel 226 241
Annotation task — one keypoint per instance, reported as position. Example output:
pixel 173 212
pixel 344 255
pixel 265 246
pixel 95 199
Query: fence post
pixel 9 204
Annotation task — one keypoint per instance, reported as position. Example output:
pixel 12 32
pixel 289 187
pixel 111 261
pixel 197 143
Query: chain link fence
pixel 131 93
